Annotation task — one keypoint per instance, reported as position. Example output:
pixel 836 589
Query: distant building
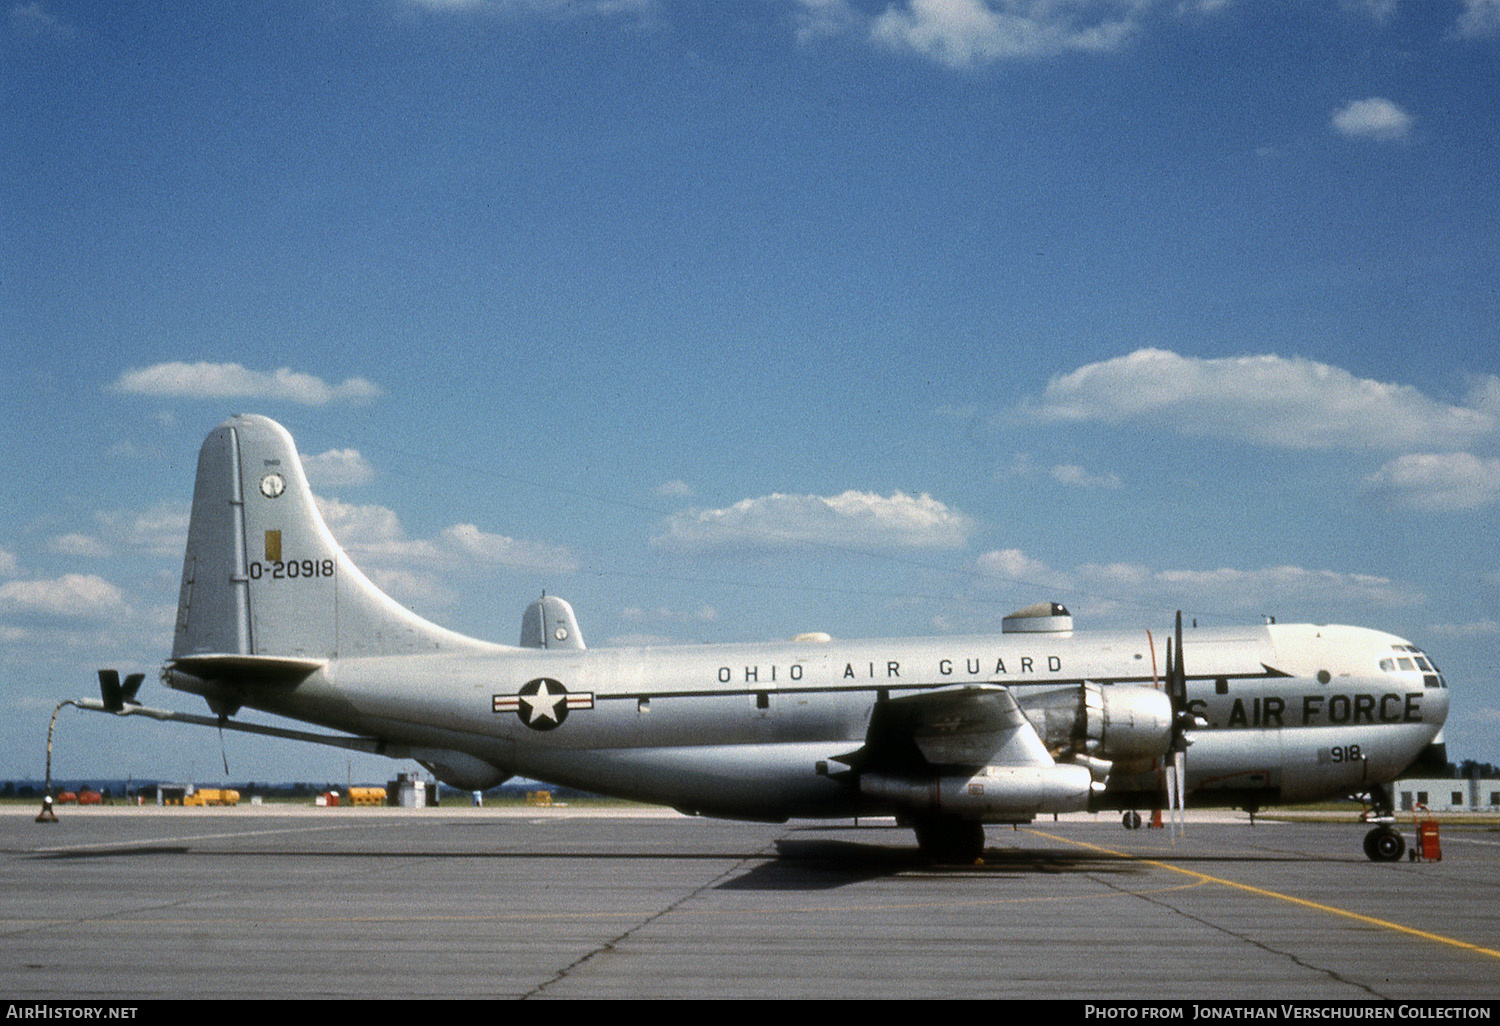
pixel 1448 794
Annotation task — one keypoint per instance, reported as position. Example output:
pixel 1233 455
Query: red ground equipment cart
pixel 1427 848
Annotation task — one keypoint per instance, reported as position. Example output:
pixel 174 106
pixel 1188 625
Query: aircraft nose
pixel 1435 705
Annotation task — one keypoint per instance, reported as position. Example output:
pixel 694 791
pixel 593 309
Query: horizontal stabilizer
pixel 247 669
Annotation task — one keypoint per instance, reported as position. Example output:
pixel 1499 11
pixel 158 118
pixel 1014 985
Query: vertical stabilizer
pixel 549 623
pixel 263 576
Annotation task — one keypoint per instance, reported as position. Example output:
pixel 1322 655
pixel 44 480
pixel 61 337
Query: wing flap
pixel 968 725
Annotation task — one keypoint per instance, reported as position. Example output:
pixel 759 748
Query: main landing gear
pixel 949 838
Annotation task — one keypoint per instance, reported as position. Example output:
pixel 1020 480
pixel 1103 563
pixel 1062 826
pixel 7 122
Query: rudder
pixel 263 575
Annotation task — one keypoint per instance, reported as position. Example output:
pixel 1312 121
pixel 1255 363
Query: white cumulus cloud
pixel 1376 118
pixel 1480 20
pixel 1276 401
pixel 962 33
pixel 78 545
pixel 69 597
pixel 1072 474
pixel 1439 481
pixel 33 22
pixel 374 533
pixel 1242 591
pixel 233 381
pixel 504 551
pixel 338 468
pixel 1015 567
pixel 1483 628
pixel 411 567
pixel 856 519
pixel 663 614
pixel 159 531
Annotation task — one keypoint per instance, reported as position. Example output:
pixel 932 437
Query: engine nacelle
pixel 995 793
pixel 1124 724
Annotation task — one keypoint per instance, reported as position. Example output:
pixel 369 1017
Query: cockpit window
pixel 1412 658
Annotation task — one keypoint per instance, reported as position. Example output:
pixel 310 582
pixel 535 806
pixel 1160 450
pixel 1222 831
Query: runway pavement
pixel 132 904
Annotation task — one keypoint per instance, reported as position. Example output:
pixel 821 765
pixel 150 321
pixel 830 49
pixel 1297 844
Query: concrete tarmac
pixel 274 902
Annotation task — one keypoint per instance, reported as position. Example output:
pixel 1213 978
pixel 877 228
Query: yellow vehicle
pixel 366 796
pixel 212 796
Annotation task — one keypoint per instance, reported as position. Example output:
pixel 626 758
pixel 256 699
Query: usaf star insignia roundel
pixel 543 703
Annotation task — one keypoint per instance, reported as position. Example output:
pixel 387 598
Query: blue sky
pixel 728 322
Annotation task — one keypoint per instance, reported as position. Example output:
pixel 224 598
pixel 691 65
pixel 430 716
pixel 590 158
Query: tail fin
pixel 549 622
pixel 263 576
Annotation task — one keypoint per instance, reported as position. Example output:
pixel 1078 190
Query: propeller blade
pixel 1179 669
pixel 1179 814
pixel 132 685
pixel 1169 785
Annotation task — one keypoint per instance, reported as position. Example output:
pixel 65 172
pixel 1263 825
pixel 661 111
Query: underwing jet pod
pixel 947 734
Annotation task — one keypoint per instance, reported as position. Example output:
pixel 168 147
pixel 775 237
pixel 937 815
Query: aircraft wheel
pixel 1131 820
pixel 950 839
pixel 1384 845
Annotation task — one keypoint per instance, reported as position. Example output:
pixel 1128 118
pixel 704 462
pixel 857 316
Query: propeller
pixel 114 693
pixel 1182 721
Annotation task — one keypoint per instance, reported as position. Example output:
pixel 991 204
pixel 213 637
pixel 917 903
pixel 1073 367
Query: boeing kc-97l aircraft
pixel 946 733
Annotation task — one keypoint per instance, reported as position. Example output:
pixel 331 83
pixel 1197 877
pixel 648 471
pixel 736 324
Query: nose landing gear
pixel 1384 843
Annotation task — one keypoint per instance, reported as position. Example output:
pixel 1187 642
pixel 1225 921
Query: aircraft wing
pixel 968 725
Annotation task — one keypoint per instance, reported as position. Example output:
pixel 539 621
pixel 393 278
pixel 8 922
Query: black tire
pixel 950 839
pixel 1384 845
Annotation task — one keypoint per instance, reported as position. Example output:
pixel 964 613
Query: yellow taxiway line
pixel 1384 924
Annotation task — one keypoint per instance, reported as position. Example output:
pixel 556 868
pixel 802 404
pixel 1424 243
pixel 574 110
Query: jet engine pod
pixel 994 793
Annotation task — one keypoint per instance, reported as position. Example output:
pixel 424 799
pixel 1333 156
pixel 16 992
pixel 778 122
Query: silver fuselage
pixel 1291 712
